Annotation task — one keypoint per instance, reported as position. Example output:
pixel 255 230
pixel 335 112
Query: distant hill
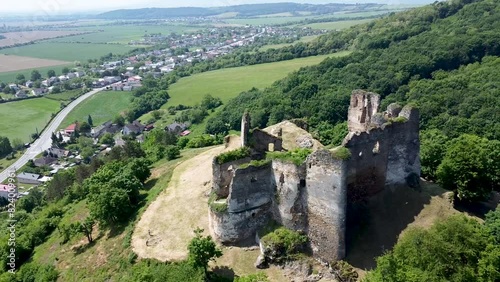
pixel 249 10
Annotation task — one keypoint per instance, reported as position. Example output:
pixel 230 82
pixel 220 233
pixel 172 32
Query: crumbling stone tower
pixel 364 105
pixel 380 150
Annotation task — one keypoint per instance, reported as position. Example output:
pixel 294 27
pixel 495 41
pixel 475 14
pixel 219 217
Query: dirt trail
pixel 165 228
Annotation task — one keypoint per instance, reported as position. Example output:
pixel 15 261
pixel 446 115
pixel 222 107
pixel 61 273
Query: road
pixel 44 142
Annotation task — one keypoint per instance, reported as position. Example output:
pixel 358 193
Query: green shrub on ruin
pixel 297 156
pixel 255 163
pixel 234 155
pixel 284 240
pixel 341 153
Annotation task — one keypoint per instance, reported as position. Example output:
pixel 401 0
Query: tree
pixel 432 151
pixel 139 167
pixel 35 75
pixel 110 205
pixel 119 120
pixel 469 168
pixel 56 90
pixel 85 127
pixel 458 249
pixel 107 138
pixel 17 144
pixel 20 79
pixel 57 186
pixel 51 73
pixel 202 250
pixel 86 227
pixel 5 147
pixel 65 70
pixel 90 121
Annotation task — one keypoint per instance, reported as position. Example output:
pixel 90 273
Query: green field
pixel 10 77
pixel 277 46
pixel 67 51
pixel 122 34
pixel 22 118
pixel 228 83
pixel 339 25
pixel 102 107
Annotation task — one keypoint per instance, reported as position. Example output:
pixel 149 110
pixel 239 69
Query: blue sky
pixel 58 6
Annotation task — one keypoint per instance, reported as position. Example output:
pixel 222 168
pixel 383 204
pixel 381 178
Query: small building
pixel 176 127
pixel 21 94
pixel 185 133
pixel 58 153
pixel 38 91
pixel 28 178
pixel 133 128
pixel 44 161
pixel 70 129
pixel 29 84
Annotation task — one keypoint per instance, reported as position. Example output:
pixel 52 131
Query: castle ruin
pixel 380 150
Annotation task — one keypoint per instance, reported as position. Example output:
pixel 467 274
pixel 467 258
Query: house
pixel 21 94
pixel 70 129
pixel 149 127
pixel 58 153
pixel 28 178
pixel 48 160
pixel 49 82
pixel 133 128
pixel 176 128
pixel 79 74
pixel 107 127
pixel 38 91
pixel 71 75
pixel 14 87
pixel 29 83
pixel 119 142
pixel 5 190
pixel 63 78
pixel 185 133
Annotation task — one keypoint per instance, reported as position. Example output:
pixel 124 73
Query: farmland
pixel 10 63
pixel 12 38
pixel 67 51
pixel 22 118
pixel 11 76
pixel 122 34
pixel 102 107
pixel 228 83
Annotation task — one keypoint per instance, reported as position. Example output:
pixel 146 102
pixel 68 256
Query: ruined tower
pixel 364 105
pixel 245 129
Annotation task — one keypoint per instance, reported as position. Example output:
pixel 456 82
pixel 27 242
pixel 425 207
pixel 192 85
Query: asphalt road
pixel 44 142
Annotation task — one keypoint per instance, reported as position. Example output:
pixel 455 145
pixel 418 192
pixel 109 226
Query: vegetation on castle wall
pixel 399 120
pixel 219 207
pixel 341 153
pixel 255 163
pixel 297 156
pixel 234 155
pixel 283 241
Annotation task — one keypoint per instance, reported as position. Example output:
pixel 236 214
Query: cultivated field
pixel 228 83
pixel 102 107
pixel 67 51
pixel 9 63
pixel 8 77
pixel 22 118
pixel 122 34
pixel 13 38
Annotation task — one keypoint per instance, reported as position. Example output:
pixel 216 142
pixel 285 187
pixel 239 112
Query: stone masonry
pixel 312 197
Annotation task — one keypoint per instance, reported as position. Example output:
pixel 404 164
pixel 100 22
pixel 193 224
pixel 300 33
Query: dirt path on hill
pixel 166 227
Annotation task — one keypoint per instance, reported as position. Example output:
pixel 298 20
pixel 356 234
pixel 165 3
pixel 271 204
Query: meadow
pixel 67 51
pixel 22 118
pixel 122 34
pixel 277 46
pixel 228 83
pixel 337 25
pixel 11 63
pixel 103 106
pixel 9 77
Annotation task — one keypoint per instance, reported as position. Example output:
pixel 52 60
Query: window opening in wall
pixel 376 148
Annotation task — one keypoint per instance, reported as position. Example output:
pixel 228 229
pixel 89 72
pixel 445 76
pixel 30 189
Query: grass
pixel 10 77
pixel 228 83
pixel 123 34
pixel 22 118
pixel 102 107
pixel 277 46
pixel 67 51
pixel 65 96
pixel 337 25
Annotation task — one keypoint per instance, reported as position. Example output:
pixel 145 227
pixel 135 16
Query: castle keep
pixel 380 150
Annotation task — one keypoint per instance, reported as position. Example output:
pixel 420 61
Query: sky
pixel 56 7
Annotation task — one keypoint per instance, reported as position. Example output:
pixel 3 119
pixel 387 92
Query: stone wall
pixel 250 188
pixel 262 140
pixel 364 105
pixel 289 180
pixel 222 175
pixel 326 195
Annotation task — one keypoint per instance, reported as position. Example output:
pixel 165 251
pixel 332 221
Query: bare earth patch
pixel 10 63
pixel 13 38
pixel 166 227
